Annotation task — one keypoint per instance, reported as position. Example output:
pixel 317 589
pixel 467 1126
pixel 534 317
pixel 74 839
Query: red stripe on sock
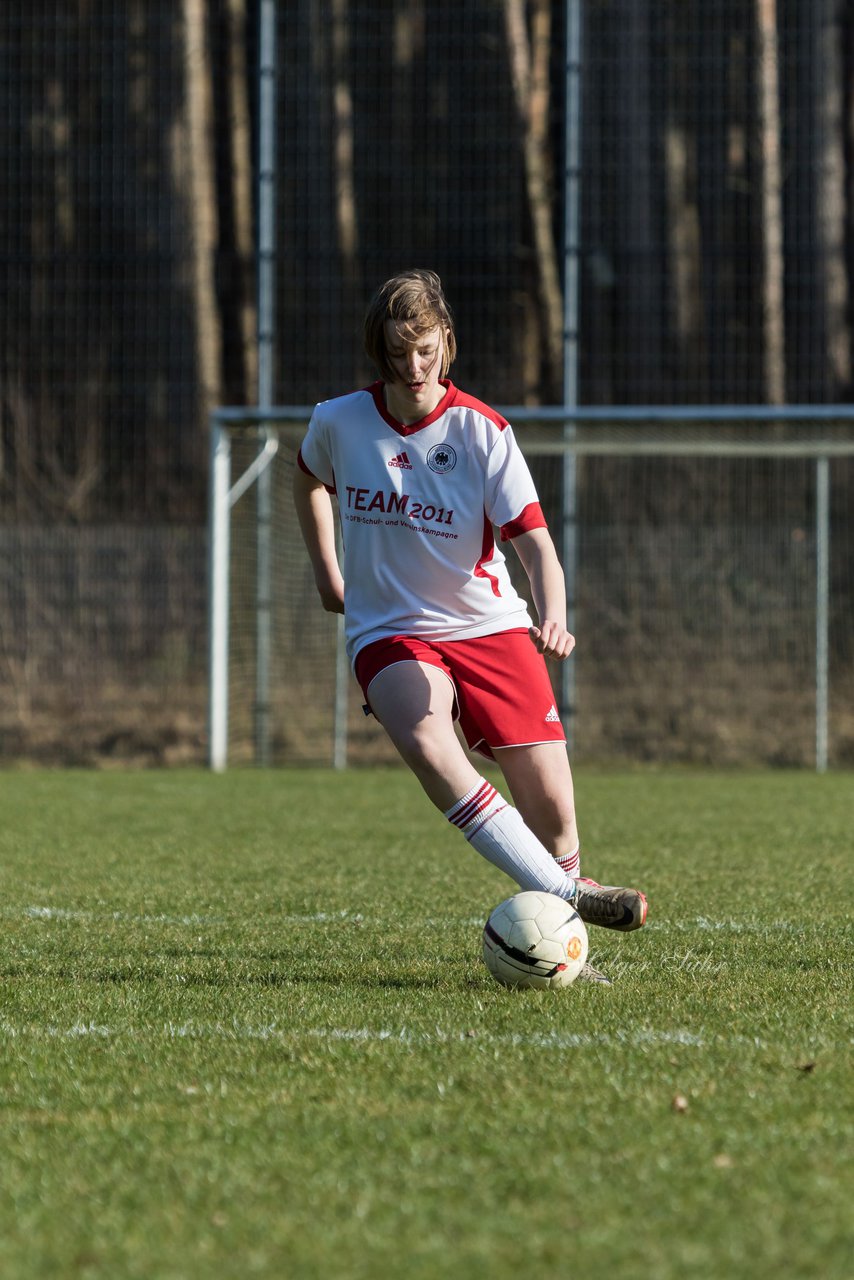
pixel 468 810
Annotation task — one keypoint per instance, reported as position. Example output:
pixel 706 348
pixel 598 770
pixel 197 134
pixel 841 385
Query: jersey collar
pixel 402 428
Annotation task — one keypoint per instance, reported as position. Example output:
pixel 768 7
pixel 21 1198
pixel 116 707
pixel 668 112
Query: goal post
pixel 704 555
pixel 260 436
pixel 223 496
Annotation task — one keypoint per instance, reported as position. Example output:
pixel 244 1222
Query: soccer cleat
pixel 588 974
pixel 608 905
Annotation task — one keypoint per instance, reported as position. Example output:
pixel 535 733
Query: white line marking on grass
pixel 542 1040
pixel 63 913
pixel 122 917
pixel 87 1029
pixel 239 1032
pixel 51 1032
pixel 324 917
pixel 55 913
pixel 702 924
pixel 705 925
pixel 316 917
pixel 244 1032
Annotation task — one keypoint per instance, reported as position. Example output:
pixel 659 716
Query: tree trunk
pixel 345 179
pixel 196 180
pixel 771 183
pixel 408 51
pixel 830 196
pixel 529 62
pixel 239 183
pixel 715 60
pixel 685 247
pixel 639 286
pixel 685 317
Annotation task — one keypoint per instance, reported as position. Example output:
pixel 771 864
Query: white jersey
pixel 418 505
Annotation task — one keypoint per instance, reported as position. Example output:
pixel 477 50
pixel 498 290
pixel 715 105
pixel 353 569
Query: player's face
pixel 417 365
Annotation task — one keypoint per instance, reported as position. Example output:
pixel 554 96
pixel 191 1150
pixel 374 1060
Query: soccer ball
pixel 534 939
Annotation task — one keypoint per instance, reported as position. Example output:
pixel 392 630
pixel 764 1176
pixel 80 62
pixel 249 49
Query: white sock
pixel 571 862
pixel 497 831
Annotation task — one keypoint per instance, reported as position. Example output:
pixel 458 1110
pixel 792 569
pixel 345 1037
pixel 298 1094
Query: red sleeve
pixel 531 517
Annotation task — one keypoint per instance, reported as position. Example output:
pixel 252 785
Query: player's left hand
pixel 552 640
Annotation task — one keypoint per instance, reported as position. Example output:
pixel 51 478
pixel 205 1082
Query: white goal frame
pixel 629 440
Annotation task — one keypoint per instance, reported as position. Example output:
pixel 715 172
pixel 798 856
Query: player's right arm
pixel 317 523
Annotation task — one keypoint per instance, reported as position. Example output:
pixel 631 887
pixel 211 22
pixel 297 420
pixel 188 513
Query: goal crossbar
pixel 630 441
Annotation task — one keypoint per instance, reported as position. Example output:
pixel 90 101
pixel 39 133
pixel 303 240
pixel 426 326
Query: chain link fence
pixel 715 257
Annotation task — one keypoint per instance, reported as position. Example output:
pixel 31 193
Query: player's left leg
pixel 540 781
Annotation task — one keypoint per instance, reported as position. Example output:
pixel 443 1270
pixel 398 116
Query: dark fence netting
pixel 714 261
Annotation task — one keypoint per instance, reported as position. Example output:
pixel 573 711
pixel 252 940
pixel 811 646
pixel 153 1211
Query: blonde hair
pixel 413 299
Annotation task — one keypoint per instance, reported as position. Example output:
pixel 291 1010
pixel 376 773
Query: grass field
pixel 246 1032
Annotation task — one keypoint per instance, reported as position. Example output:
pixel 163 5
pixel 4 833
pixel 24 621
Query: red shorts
pixel 504 697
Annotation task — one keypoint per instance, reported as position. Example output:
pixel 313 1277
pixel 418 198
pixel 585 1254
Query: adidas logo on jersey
pixel 552 716
pixel 401 461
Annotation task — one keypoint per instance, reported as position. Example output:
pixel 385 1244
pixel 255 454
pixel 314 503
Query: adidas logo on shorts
pixel 553 716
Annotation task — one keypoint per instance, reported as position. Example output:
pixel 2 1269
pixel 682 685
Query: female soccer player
pixel 435 631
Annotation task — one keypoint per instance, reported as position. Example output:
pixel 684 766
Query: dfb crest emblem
pixel 442 458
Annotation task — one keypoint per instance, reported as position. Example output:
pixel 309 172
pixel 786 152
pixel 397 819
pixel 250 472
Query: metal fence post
pixel 218 578
pixel 822 608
